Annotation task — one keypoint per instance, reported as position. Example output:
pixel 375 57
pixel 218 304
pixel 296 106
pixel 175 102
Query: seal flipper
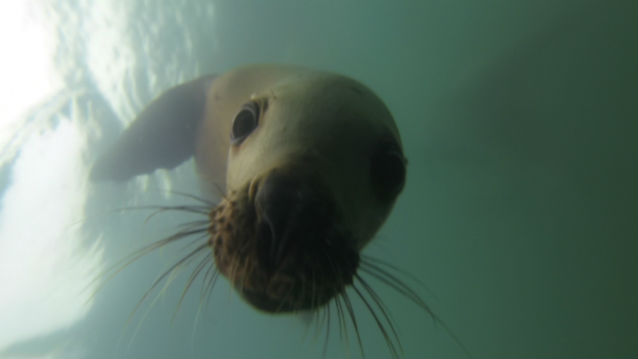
pixel 162 135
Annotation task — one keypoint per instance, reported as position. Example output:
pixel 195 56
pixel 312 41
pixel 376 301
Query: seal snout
pixel 292 213
pixel 282 243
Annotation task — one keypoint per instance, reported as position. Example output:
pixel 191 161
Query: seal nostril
pixel 286 205
pixel 274 204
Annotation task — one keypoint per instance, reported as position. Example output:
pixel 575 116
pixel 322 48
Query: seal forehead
pixel 330 116
pixel 320 110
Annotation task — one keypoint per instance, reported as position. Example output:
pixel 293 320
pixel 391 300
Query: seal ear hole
pixel 388 172
pixel 245 122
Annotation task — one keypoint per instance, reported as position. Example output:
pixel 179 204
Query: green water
pixel 519 120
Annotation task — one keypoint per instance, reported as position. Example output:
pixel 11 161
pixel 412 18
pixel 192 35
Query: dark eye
pixel 388 171
pixel 245 122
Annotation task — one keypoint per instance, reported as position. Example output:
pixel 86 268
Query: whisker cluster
pixel 385 273
pixel 195 236
pixel 193 233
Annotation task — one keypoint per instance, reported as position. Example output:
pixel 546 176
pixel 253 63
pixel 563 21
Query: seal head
pixel 310 164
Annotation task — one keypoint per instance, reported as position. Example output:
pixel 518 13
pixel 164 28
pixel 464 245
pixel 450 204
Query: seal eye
pixel 388 172
pixel 245 122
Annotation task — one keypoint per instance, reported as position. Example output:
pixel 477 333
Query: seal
pixel 310 164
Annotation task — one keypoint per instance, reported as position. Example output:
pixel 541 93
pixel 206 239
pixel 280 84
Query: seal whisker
pixel 353 319
pixel 202 291
pixel 191 279
pixel 344 322
pixel 194 241
pixel 326 340
pixel 209 287
pixel 120 265
pixel 377 263
pixel 388 339
pixel 206 280
pixel 194 197
pixel 157 209
pixel 161 209
pixel 382 307
pixel 343 330
pixel 170 270
pixel 400 287
pixel 218 189
pixel 317 319
pixel 396 284
pixel 337 300
pixel 340 319
pixel 194 224
pixel 182 208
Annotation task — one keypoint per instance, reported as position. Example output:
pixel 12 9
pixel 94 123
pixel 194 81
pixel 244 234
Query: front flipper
pixel 162 136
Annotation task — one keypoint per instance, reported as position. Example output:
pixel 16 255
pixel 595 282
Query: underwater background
pixel 519 217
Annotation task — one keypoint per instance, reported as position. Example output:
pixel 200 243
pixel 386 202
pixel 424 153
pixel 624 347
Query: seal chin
pixel 281 243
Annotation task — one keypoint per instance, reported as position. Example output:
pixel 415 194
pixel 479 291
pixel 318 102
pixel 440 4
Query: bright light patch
pixel 45 272
pixel 26 65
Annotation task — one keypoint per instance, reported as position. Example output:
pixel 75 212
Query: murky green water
pixel 520 214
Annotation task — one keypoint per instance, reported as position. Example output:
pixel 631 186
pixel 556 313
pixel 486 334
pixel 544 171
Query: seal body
pixel 310 164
